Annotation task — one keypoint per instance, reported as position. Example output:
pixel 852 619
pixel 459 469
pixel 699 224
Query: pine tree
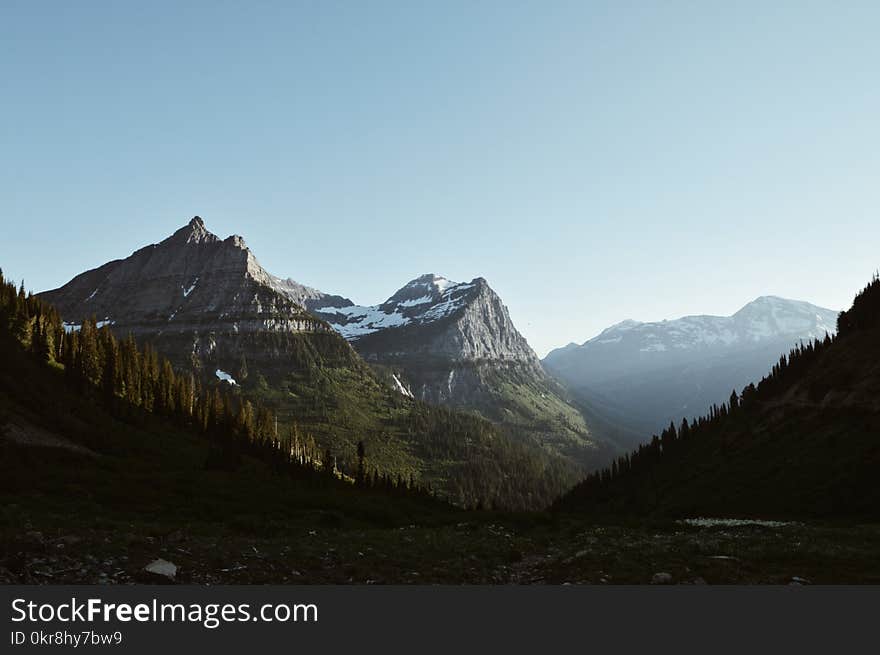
pixel 327 464
pixel 89 363
pixel 361 455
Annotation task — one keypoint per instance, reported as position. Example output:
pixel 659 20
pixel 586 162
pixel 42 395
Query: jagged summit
pixel 193 232
pixel 432 314
pixel 431 282
pixel 190 281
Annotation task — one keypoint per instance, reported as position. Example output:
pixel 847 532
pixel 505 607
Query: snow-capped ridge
pixel 425 299
pixel 765 318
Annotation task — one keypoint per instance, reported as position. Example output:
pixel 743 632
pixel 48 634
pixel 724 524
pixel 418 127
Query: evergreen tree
pixel 361 469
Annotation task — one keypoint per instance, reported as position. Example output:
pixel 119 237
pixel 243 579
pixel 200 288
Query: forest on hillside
pixel 458 456
pixel 805 440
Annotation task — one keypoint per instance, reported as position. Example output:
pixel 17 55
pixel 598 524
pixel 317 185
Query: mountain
pixel 804 442
pixel 454 343
pixel 645 374
pixel 202 300
pixel 433 317
pixel 209 306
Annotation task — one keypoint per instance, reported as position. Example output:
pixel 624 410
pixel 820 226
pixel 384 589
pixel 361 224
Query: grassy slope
pixel 529 406
pixel 150 466
pixel 538 409
pixel 319 384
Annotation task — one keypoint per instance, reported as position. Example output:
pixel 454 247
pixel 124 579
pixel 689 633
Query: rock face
pixel 199 298
pixel 454 343
pixel 434 318
pixel 647 374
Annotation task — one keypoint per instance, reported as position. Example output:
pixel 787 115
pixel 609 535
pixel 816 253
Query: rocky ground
pixel 471 552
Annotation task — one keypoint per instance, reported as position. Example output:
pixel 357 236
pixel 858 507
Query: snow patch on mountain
pixel 356 321
pixel 426 299
pixel 76 327
pixel 190 288
pixel 224 376
pixel 416 301
pixel 398 385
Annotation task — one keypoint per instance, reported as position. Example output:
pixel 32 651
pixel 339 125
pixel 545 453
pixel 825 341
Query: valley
pixel 278 443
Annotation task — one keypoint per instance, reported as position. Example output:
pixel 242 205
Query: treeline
pixel 865 310
pixel 132 382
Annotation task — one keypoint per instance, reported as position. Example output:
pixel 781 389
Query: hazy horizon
pixel 593 162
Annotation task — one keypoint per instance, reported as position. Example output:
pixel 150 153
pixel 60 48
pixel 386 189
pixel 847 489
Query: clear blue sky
pixel 594 161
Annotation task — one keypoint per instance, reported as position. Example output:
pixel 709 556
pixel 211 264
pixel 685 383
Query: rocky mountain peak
pixel 192 281
pixel 422 292
pixel 236 241
pixel 193 232
pixel 434 316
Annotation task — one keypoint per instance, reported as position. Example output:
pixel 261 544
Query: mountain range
pixel 208 305
pixel 644 375
pixel 349 373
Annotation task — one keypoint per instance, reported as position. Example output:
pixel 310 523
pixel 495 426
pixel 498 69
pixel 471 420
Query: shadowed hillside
pixel 804 442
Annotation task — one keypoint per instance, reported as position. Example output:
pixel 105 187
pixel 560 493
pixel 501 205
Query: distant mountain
pixel 454 343
pixel 646 374
pixel 804 442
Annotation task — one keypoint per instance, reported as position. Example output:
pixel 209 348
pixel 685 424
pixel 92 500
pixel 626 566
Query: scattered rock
pixel 661 578
pixel 163 568
pixel 236 567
